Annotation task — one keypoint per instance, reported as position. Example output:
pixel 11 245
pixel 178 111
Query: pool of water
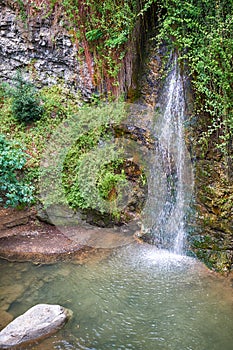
pixel 135 297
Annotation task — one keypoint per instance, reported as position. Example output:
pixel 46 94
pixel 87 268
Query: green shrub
pixel 13 190
pixel 26 104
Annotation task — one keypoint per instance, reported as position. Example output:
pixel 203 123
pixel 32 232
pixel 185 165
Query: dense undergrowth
pixel 27 136
pixel 13 190
pixel 62 115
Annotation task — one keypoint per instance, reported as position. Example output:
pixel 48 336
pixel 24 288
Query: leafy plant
pixel 202 33
pixel 94 34
pixel 26 102
pixel 13 189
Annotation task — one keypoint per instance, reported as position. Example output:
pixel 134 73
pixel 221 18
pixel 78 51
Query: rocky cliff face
pixel 212 236
pixel 47 53
pixel 42 49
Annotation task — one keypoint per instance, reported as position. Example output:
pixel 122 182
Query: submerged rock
pixel 38 322
pixel 8 294
pixel 5 318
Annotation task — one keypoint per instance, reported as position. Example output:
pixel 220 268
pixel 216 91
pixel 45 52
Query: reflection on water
pixel 136 298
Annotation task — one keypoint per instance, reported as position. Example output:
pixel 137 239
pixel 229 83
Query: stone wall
pixel 43 51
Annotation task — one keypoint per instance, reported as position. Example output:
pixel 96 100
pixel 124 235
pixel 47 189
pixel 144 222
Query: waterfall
pixel 172 136
pixel 165 222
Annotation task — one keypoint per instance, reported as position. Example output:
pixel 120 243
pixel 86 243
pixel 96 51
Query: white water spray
pixel 173 138
pixel 167 226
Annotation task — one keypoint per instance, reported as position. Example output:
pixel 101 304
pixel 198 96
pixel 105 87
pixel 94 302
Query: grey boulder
pixel 38 322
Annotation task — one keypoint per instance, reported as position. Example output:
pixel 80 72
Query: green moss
pixel 216 260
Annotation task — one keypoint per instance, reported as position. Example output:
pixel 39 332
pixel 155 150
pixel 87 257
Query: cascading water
pixel 167 225
pixel 172 136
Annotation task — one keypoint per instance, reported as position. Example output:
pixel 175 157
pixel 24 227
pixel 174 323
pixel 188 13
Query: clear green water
pixel 134 298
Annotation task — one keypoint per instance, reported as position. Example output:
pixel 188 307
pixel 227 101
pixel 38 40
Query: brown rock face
pixel 10 218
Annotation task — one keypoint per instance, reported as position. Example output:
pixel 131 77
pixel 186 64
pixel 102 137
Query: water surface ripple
pixel 136 298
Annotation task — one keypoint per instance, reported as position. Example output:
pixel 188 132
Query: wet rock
pixel 211 237
pixel 59 215
pixel 38 322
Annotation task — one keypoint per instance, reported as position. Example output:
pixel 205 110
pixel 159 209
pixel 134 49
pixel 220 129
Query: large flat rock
pixel 44 243
pixel 40 243
pixel 38 322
